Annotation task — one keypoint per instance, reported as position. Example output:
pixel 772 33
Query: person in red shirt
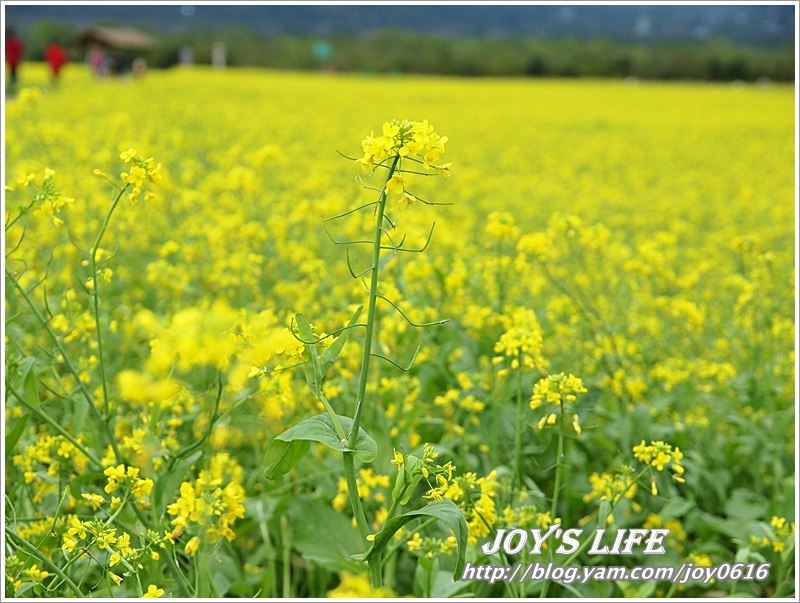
pixel 14 50
pixel 56 57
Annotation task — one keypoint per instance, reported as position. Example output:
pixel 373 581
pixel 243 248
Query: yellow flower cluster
pixel 521 342
pixel 476 497
pixel 51 454
pixel 153 592
pixel 357 586
pixel 371 487
pixel 527 516
pixel 210 505
pixel 404 138
pixel 557 389
pixel 431 546
pixel 141 171
pixel 120 475
pixel 611 487
pixel 658 454
pixel 781 532
pixel 677 534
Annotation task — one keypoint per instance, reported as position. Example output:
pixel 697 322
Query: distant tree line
pixel 395 51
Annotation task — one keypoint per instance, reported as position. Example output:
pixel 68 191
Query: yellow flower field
pixel 615 261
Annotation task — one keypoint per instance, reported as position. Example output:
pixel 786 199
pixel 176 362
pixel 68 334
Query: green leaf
pixel 330 355
pixel 406 480
pixel 13 436
pixel 676 507
pixel 224 571
pixel 744 504
pixel 733 528
pixel 30 383
pixel 323 535
pixel 319 428
pixel 635 591
pixel 445 511
pixel 445 587
pixel 281 456
pixel 304 327
pixel 169 483
pixel 79 413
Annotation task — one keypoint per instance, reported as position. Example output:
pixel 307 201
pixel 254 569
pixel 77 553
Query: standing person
pixel 97 60
pixel 14 50
pixel 56 57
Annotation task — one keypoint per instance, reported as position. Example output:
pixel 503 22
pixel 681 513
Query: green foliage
pixel 398 51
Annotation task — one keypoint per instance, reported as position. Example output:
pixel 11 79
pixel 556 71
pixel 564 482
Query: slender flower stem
pixel 287 559
pixel 517 477
pixel 600 521
pixel 559 464
pixel 19 542
pixel 352 493
pixel 556 485
pixel 70 367
pixel 349 462
pixel 96 296
pixel 373 296
pixel 55 425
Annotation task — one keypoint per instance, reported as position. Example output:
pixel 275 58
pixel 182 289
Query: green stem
pixel 287 559
pixel 70 367
pixel 517 477
pixel 352 493
pixel 21 543
pixel 96 296
pixel 373 296
pixel 559 464
pixel 337 424
pixel 557 485
pixel 62 573
pixel 55 425
pixel 211 422
pixel 349 464
pixel 375 572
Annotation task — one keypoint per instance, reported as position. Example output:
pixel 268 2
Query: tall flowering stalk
pixel 401 142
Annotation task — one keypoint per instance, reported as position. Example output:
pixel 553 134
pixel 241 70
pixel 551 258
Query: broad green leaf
pixel 13 436
pixel 323 535
pixel 445 511
pixel 281 456
pixel 319 428
pixel 330 355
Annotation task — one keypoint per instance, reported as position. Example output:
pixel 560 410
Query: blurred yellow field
pixel 636 236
